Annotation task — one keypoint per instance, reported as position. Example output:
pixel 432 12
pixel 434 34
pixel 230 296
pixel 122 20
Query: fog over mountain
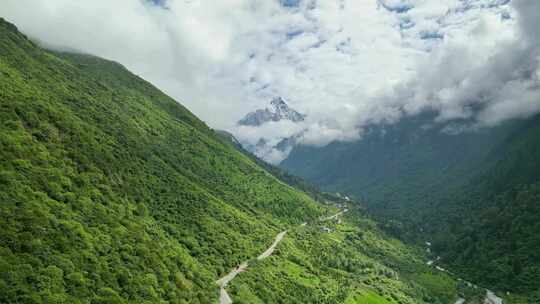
pixel 345 64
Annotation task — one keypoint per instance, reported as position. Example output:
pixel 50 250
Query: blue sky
pixel 345 63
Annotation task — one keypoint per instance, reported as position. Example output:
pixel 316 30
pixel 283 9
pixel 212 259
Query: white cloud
pixel 273 131
pixel 345 63
pixel 320 134
pixel 487 73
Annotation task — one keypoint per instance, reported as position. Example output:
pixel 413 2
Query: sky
pixel 344 63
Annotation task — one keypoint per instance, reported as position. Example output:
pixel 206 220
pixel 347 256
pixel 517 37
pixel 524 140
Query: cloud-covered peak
pixel 346 63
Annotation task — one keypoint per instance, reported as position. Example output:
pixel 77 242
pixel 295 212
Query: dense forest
pixel 112 192
pixel 493 222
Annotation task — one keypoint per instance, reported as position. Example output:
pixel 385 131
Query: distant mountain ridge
pixel 278 111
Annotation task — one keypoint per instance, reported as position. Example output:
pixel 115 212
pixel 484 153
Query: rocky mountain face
pixel 272 150
pixel 277 111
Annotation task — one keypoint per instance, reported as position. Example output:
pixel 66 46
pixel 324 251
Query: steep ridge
pixel 114 193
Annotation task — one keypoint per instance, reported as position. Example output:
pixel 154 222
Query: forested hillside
pixel 394 167
pixel 112 192
pixel 473 193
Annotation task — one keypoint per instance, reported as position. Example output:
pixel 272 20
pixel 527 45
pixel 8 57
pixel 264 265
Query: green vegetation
pixel 114 193
pixel 282 175
pixel 400 170
pixel 366 297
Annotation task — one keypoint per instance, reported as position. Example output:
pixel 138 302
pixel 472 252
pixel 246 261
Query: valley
pixel 468 192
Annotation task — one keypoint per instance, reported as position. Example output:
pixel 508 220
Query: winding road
pixel 224 297
pixel 271 249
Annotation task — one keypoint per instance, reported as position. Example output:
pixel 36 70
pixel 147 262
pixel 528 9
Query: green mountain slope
pixel 494 221
pixel 114 193
pixel 282 175
pixel 110 167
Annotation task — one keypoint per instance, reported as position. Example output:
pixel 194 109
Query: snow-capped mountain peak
pixel 277 110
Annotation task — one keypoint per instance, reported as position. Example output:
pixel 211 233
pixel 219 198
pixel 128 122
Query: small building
pixel 326 229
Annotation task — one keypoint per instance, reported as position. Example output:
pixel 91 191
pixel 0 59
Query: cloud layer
pixel 345 63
